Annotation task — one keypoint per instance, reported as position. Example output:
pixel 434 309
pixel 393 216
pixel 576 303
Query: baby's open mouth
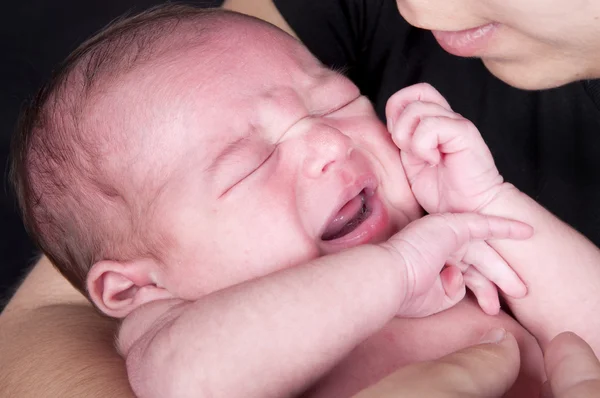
pixel 350 216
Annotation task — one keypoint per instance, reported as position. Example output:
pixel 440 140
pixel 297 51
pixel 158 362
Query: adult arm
pixel 54 344
pixel 490 368
pixel 485 370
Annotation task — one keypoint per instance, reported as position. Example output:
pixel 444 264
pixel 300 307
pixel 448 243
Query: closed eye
pixel 245 173
pixel 336 108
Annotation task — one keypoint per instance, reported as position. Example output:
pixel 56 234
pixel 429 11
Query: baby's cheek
pixel 285 225
pixel 394 185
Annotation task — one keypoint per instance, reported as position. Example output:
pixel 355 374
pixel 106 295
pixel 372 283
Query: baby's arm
pixel 275 335
pixel 560 267
pixel 451 169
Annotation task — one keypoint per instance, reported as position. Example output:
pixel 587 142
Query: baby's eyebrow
pixel 231 149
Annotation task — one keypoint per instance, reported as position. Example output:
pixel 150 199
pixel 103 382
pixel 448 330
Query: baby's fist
pixel 448 165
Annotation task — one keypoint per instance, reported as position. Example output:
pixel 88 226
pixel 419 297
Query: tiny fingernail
pixel 493 336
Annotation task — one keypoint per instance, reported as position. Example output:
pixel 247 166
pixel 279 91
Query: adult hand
pixel 490 368
pixel 572 368
pixel 485 370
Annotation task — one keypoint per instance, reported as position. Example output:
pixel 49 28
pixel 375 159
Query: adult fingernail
pixel 495 335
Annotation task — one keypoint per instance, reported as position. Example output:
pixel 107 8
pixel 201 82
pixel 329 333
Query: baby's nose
pixel 327 146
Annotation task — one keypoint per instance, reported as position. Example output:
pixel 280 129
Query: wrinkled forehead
pixel 247 73
pixel 246 60
pixel 185 107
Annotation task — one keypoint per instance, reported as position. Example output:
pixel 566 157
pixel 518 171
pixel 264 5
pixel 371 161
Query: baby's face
pixel 273 160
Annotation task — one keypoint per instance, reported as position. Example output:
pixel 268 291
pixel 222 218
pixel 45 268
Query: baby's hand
pixel 448 165
pixel 428 247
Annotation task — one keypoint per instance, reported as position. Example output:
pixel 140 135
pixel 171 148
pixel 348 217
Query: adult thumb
pixel 485 370
pixel 572 368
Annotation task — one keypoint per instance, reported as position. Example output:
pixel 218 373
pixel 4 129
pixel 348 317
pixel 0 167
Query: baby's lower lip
pixel 370 230
pixel 465 43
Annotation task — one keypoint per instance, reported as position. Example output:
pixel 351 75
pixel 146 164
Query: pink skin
pixel 280 173
pixel 450 169
pixel 466 43
pixel 254 173
pixel 289 147
pixel 405 340
pixel 529 44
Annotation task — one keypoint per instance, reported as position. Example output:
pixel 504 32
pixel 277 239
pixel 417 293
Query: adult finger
pixel 572 368
pixel 485 370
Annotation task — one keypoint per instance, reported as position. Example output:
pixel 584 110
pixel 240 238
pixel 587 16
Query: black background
pixel 35 36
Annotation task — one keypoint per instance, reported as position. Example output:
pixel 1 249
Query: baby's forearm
pixel 272 336
pixel 560 267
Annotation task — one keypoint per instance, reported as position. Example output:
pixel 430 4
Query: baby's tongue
pixel 346 213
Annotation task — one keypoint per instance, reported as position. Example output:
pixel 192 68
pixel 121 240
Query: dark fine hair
pixel 69 209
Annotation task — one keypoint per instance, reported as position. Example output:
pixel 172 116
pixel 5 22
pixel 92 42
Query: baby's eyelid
pixel 340 107
pixel 250 173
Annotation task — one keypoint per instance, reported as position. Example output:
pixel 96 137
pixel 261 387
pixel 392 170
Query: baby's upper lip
pixel 366 182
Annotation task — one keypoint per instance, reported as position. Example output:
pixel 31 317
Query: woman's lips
pixel 466 43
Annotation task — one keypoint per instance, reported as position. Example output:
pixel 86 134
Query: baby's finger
pixel 408 121
pixel 484 290
pixel 493 267
pixel 436 135
pixel 473 226
pixel 452 282
pixel 419 92
pixel 455 260
pixel 451 233
pixel 433 300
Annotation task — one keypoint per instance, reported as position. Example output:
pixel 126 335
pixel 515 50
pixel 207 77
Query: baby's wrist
pixel 505 194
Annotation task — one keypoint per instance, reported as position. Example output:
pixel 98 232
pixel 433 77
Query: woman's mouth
pixel 466 43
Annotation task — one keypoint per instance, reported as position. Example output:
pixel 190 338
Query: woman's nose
pixel 326 147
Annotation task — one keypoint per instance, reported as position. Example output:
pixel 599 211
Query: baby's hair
pixel 71 209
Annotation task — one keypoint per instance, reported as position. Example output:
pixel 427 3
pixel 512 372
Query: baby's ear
pixel 117 288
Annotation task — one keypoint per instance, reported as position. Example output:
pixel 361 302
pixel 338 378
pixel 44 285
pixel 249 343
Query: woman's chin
pixel 533 75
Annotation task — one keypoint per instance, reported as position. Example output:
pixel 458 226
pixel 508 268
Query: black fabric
pixel 35 36
pixel 593 89
pixel 546 143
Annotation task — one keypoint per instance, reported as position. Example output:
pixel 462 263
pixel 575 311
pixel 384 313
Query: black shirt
pixel 547 143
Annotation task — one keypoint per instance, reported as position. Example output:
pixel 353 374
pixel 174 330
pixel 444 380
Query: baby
pixel 199 174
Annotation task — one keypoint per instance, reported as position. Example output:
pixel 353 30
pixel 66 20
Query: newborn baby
pixel 199 174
